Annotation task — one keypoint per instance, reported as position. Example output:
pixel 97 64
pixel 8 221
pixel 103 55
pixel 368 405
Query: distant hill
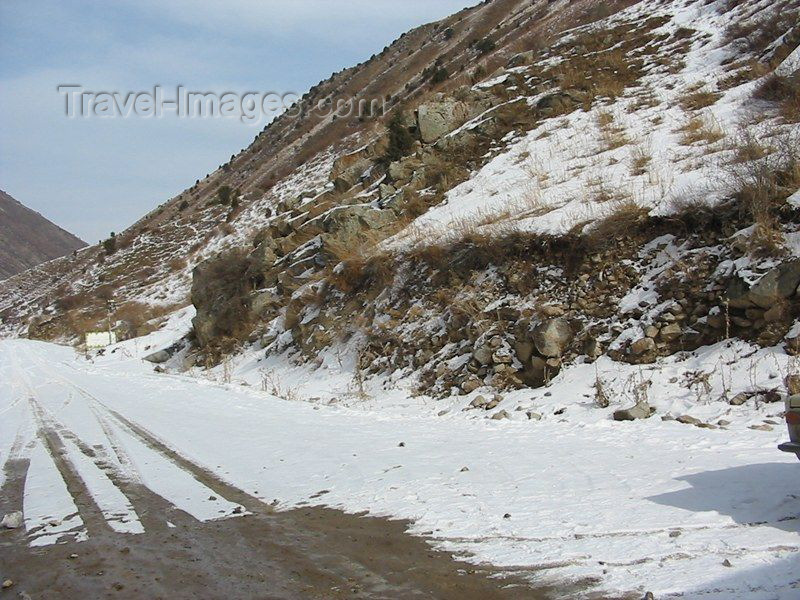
pixel 28 239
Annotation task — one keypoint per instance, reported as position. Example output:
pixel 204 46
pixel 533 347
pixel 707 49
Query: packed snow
pixel 572 496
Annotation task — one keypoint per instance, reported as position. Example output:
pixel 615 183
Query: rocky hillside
pixel 150 268
pixel 28 239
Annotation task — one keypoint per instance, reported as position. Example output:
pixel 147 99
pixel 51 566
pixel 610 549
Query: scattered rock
pixel 7 584
pixel 500 415
pixel 507 516
pixel 723 423
pixel 689 420
pixel 670 332
pixel 642 410
pixel 534 416
pixel 761 427
pixel 12 520
pixel 674 534
pixel 726 563
pixel 464 469
pixel 478 402
pixel 643 346
pixel 401 445
pixel 738 399
pixel 73 555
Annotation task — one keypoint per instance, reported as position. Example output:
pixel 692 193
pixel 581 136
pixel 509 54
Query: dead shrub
pixel 625 217
pixel 786 92
pixel 699 129
pixel 223 287
pixel 699 99
pixel 761 188
pixel 640 158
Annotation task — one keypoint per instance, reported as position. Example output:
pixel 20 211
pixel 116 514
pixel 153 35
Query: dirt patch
pixel 303 553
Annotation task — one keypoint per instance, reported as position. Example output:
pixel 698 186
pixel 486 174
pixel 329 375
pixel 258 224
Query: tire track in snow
pixel 150 509
pixel 89 510
pixel 200 473
pixel 105 415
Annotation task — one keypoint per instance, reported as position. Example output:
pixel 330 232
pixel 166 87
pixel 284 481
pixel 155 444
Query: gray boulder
pixel 159 357
pixel 781 282
pixel 12 520
pixel 642 410
pixel 435 119
pixel 552 337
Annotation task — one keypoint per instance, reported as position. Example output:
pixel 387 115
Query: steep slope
pixel 28 239
pixel 294 155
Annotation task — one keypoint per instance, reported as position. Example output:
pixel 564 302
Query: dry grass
pixel 761 188
pixel 786 92
pixel 747 147
pixel 699 99
pixel 700 129
pixel 641 156
pixel 625 217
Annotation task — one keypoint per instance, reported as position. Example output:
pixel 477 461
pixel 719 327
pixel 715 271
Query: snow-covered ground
pixel 647 505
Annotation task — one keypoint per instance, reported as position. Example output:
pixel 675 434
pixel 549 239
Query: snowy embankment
pixel 646 505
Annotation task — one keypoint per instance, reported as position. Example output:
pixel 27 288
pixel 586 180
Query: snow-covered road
pixel 635 506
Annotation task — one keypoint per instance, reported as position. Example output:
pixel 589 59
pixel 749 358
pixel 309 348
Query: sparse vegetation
pixel 786 92
pixel 110 244
pixel 700 129
pixel 224 195
pixel 400 140
pixel 698 99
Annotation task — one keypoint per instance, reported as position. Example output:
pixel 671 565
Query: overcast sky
pixel 96 175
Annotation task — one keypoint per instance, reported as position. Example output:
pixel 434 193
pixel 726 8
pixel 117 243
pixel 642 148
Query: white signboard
pixel 100 339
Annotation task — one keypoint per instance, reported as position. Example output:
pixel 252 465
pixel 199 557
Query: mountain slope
pixel 293 155
pixel 28 239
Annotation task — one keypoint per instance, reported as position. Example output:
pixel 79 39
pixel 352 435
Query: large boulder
pixel 779 283
pixel 642 410
pixel 435 119
pixel 551 337
pixel 358 216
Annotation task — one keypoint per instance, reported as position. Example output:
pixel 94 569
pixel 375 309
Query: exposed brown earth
pixel 28 239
